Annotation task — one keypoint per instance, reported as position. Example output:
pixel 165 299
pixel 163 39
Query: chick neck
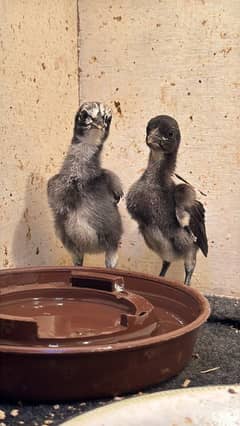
pixel 161 165
pixel 83 159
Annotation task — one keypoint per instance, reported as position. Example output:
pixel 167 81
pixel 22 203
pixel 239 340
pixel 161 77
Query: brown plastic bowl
pixel 135 336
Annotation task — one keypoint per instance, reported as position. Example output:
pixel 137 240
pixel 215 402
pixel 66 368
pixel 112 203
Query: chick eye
pixel 170 134
pixel 83 115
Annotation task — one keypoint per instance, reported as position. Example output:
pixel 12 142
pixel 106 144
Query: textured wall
pixel 179 57
pixel 39 95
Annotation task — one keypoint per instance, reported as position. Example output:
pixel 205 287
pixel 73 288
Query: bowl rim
pixel 121 346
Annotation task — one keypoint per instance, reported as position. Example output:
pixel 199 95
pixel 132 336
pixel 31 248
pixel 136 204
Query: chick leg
pixel 189 263
pixel 77 256
pixel 164 269
pixel 111 258
pixel 78 259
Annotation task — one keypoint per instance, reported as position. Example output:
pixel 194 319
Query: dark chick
pixel 170 218
pixel 83 196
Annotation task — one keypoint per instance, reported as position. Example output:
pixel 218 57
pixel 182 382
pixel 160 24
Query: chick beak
pixel 151 143
pixel 98 126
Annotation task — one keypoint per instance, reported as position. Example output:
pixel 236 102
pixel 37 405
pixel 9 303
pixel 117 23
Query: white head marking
pixel 96 108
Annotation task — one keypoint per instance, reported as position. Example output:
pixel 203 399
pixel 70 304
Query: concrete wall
pixel 179 57
pixel 39 96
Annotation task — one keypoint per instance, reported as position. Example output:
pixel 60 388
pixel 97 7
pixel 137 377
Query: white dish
pixel 203 406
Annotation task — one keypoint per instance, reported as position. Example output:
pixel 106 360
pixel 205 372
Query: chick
pixel 83 196
pixel 170 218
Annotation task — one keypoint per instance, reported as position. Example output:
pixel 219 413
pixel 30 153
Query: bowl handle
pixel 98 281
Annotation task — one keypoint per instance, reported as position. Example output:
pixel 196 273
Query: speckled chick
pixel 83 196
